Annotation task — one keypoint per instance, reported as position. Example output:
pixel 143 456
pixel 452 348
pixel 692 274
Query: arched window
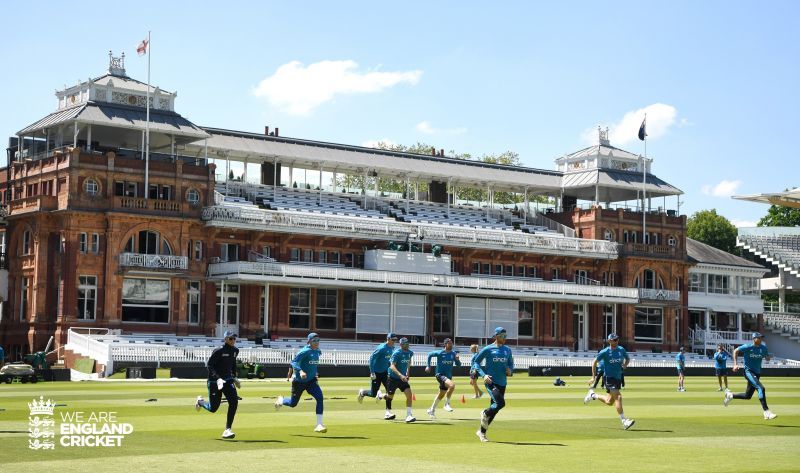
pixel 91 187
pixel 193 197
pixel 608 235
pixel 148 242
pixel 672 241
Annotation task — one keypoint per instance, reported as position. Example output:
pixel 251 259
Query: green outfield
pixel 542 428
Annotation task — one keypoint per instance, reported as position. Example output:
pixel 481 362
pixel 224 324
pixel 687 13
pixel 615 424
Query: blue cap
pixel 312 336
pixel 499 330
pixel 229 334
pixel 404 341
pixel 757 335
pixel 391 336
pixel 613 336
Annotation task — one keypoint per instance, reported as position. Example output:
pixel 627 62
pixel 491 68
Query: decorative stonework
pixel 116 65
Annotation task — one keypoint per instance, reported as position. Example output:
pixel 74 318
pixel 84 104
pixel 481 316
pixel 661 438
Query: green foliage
pixel 709 227
pixel 778 216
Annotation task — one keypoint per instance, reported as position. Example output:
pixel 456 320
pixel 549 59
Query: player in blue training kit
pixel 680 363
pixel 614 359
pixel 498 364
pixel 473 375
pixel 753 354
pixel 601 373
pixel 379 373
pixel 222 380
pixel 445 359
pixel 399 374
pixel 720 366
pixel 305 379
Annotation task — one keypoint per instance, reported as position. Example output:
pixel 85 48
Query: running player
pixel 399 374
pixel 753 354
pixel 473 375
pixel 305 379
pixel 379 372
pixel 720 366
pixel 680 361
pixel 445 359
pixel 222 380
pixel 614 359
pixel 498 364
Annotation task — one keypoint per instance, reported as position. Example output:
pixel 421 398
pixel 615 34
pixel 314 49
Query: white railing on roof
pixel 537 218
pixel 659 295
pixel 520 287
pixel 386 229
pixel 787 308
pixel 768 231
pixel 153 261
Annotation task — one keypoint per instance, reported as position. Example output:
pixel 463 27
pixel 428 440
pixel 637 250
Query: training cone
pixel 463 399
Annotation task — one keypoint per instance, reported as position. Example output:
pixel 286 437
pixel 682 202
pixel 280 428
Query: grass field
pixel 542 428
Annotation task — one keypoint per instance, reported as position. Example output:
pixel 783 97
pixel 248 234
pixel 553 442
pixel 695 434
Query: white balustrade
pixel 659 295
pixel 153 261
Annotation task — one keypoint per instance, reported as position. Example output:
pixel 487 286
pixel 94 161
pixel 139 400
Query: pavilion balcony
pixel 157 262
pixel 37 203
pixel 650 251
pixel 659 295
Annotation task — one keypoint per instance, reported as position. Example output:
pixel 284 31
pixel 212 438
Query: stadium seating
pixel 782 250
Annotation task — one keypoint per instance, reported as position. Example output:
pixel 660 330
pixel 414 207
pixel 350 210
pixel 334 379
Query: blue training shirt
pixel 680 360
pixel 307 360
pixel 496 359
pixel 753 355
pixel 402 359
pixel 612 361
pixel 379 360
pixel 444 362
pixel 720 360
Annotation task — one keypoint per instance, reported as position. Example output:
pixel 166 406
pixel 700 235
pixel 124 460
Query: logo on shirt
pixel 499 359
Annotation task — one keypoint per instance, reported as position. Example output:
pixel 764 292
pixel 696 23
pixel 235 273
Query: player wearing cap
pixel 720 366
pixel 680 362
pixel 305 379
pixel 498 364
pixel 399 374
pixel 445 359
pixel 753 353
pixel 379 374
pixel 222 380
pixel 473 375
pixel 614 359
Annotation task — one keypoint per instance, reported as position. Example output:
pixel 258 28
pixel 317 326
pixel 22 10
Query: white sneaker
pixel 360 396
pixel 768 415
pixel 481 436
pixel 279 403
pixel 228 434
pixel 379 396
pixel 431 413
pixel 628 423
pixel 589 396
pixel 484 420
pixel 389 416
pixel 199 403
pixel 727 399
pixel 321 429
pixel 448 408
pixel 410 419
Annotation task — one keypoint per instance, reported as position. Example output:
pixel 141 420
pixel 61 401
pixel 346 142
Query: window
pixel 198 250
pixel 145 300
pixel 230 315
pixel 556 273
pixel 509 270
pixel 91 187
pixel 193 303
pixel 327 304
pixel 626 237
pixel 498 269
pixel 532 272
pixel 633 237
pixel 229 252
pixel 553 319
pixel 294 254
pixel 2 243
pixel 581 276
pixel 520 271
pixel 609 319
pixel 322 257
pixel 648 324
pixel 487 268
pixel 266 251
pixel 119 188
pixel 751 286
pixel 82 243
pixel 152 193
pixel 299 307
pixel 359 261
pixel 261 308
pixel 308 255
pixel 671 241
pixel 443 314
pixel 193 197
pixel 166 193
pixel 131 189
pixel 525 325
pixel 87 297
pixel 334 257
pixel 719 284
pixel 23 298
pixel 476 268
pixel 95 244
pixel 26 242
pixel 649 279
pixel 697 282
pixel 349 310
pixel 608 235
pixel 149 243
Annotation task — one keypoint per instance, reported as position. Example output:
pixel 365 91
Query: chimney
pixel 276 131
pixel 266 130
pixel 433 151
pixel 441 152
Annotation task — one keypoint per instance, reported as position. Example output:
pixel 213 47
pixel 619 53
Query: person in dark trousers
pixel 305 377
pixel 753 354
pixel 222 380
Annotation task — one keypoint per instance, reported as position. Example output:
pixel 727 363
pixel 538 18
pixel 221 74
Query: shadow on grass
pixel 652 430
pixel 322 436
pixel 775 426
pixel 14 432
pixel 250 441
pixel 535 444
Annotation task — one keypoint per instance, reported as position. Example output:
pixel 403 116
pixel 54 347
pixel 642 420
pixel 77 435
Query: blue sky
pixel 720 79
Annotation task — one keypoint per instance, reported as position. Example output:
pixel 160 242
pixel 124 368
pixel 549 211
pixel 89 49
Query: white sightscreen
pixel 470 317
pixel 409 314
pixel 373 312
pixel 503 313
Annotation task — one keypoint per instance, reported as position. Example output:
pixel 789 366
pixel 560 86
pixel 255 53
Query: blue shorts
pixel 613 384
pixel 721 371
pixel 442 378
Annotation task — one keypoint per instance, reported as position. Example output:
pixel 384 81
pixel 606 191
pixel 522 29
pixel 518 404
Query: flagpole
pixel 644 184
pixel 147 127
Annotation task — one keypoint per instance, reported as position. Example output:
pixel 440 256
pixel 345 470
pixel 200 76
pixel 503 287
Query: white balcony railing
pixel 388 229
pixel 504 287
pixel 659 295
pixel 153 261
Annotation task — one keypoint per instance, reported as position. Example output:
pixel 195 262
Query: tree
pixel 709 227
pixel 779 216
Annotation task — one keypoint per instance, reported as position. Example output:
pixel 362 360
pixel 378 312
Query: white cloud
pixel 425 127
pixel 299 89
pixel 724 188
pixel 660 117
pixel 386 142
pixel 743 223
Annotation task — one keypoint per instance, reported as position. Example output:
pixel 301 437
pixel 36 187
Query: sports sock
pixel 319 419
pixel 435 403
pixel 408 411
pixel 622 417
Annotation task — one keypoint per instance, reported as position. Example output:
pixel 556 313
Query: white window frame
pixel 193 299
pixel 298 309
pixel 83 242
pixel 198 250
pixel 26 243
pixel 94 244
pixel 328 316
pixel 193 197
pixel 649 311
pixel 91 187
pixel 531 316
pixel 89 285
pixel 23 298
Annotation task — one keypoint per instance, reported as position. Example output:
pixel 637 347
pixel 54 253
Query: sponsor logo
pixel 77 428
